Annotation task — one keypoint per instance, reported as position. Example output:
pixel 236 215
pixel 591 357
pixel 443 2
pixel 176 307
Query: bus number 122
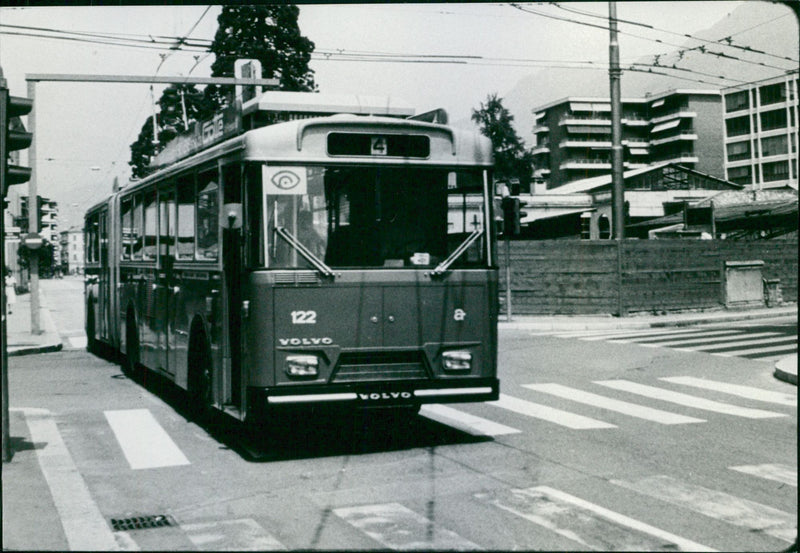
pixel 304 317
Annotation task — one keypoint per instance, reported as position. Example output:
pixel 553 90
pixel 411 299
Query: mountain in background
pixel 760 25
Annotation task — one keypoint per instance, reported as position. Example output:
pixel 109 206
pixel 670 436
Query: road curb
pixel 786 369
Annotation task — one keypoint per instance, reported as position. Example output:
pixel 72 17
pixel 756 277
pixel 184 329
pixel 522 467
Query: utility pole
pixel 617 177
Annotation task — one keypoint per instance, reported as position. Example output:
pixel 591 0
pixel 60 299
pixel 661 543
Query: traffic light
pixel 511 216
pixel 13 137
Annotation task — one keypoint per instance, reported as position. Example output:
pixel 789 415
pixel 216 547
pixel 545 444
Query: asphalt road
pixel 595 444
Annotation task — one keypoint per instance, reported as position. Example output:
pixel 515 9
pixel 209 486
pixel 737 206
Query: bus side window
pixel 150 225
pixel 186 230
pixel 126 212
pixel 136 228
pixel 208 217
pixel 253 227
pixel 166 222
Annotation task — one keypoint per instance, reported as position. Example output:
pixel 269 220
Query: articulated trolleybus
pixel 335 260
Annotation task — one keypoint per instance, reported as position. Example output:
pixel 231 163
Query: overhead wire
pixel 679 46
pixel 728 39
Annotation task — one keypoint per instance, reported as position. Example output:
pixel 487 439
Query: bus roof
pixel 305 140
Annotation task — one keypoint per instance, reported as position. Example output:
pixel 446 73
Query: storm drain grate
pixel 142 523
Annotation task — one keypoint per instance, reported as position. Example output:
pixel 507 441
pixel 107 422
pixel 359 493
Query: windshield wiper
pixel 318 264
pixel 444 265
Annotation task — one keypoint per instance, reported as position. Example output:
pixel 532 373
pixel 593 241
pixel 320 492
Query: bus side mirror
pixel 511 216
pixel 232 216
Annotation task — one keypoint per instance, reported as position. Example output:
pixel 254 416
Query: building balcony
pixel 574 120
pixel 635 122
pixel 544 149
pixel 680 114
pixel 673 138
pixel 585 165
pixel 679 158
pixel 595 144
pixel 540 129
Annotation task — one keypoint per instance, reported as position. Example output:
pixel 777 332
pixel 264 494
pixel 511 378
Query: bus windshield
pixel 368 216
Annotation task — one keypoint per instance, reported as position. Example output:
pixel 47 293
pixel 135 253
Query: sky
pixel 84 131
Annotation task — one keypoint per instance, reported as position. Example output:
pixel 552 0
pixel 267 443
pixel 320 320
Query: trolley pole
pixel 617 177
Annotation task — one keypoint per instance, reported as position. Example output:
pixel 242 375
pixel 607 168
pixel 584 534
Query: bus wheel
pixel 199 393
pixel 91 342
pixel 131 361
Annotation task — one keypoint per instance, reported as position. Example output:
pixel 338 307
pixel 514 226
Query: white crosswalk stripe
pixel 550 414
pixel 718 505
pixel 243 534
pixel 687 400
pixel 779 473
pixel 764 345
pixel 399 528
pixel 631 409
pixel 585 523
pixel 144 442
pixel 748 392
pixel 465 422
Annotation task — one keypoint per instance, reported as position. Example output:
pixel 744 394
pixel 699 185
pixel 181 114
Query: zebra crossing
pixel 584 523
pixel 730 341
pixel 582 520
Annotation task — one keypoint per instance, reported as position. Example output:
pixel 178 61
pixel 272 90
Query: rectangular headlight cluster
pixel 457 360
pixel 302 365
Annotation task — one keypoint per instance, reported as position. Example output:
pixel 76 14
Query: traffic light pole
pixel 6 445
pixel 33 215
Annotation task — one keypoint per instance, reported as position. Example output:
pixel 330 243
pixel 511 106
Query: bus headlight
pixel 457 360
pixel 302 365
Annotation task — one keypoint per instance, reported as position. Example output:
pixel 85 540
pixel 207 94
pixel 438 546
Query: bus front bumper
pixel 384 394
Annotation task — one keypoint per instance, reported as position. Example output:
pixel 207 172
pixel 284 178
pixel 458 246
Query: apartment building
pixel 761 133
pixel 573 135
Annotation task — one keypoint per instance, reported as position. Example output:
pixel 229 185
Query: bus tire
pixel 130 364
pixel 200 375
pixel 91 342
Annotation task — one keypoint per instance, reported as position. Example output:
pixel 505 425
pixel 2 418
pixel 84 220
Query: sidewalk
pixel 18 328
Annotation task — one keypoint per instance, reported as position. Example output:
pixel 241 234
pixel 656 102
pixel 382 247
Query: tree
pixel 511 159
pixel 179 106
pixel 268 33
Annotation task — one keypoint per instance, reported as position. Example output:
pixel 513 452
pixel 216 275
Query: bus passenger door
pixel 232 263
pixel 165 282
pixel 104 280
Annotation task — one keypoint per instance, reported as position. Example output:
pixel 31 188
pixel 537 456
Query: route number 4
pixel 304 317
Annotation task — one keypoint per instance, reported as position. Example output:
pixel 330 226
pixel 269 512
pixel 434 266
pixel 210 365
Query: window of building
pixel 772 93
pixel 737 101
pixel 774 146
pixel 738 126
pixel 738 151
pixel 775 119
pixel 777 170
pixel 740 175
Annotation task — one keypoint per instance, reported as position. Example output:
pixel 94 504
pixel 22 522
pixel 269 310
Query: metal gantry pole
pixel 617 177
pixel 33 214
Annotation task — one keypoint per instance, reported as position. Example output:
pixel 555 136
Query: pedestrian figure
pixel 11 290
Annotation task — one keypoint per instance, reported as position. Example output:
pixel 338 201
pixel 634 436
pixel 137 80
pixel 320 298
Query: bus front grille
pixel 375 366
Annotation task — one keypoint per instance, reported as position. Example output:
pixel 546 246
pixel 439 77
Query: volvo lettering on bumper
pixel 305 341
